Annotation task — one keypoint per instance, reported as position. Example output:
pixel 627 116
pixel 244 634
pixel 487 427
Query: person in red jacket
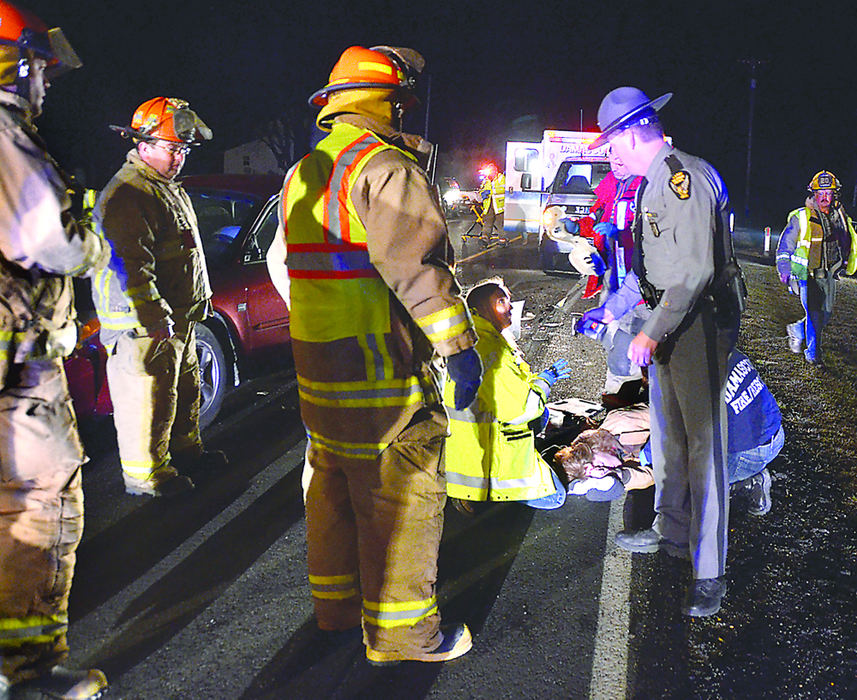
pixel 609 225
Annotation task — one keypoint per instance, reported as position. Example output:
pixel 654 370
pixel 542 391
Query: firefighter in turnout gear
pixel 149 300
pixel 373 301
pixel 493 439
pixel 492 192
pixel 42 245
pixel 818 244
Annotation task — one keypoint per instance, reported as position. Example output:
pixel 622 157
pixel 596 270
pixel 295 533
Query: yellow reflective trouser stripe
pixel 378 364
pixel 142 468
pixel 369 394
pixel 354 450
pixel 37 629
pixel 334 587
pixel 445 324
pixel 398 614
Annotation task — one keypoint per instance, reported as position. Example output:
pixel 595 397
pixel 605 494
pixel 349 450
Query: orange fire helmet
pixel 166 119
pixel 23 35
pixel 379 67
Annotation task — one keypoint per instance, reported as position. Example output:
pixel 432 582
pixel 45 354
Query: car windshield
pixel 221 216
pixel 578 177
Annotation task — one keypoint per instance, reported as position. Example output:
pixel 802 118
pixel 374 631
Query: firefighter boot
pixel 204 462
pixel 456 641
pixel 64 684
pixel 164 482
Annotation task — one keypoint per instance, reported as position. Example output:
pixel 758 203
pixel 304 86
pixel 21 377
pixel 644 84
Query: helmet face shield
pixel 166 119
pixel 63 57
pixel 186 124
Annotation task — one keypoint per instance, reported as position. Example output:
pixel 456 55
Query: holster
pixel 651 294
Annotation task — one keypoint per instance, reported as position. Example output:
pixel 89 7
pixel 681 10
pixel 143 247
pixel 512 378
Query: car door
pixel 266 312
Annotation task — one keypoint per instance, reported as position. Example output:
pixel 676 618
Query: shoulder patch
pixel 680 184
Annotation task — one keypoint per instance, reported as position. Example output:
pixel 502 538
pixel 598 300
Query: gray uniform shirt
pixel 681 214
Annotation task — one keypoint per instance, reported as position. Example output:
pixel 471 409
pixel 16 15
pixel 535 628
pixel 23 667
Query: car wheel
pixel 214 372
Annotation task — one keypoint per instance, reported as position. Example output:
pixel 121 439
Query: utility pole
pixel 753 63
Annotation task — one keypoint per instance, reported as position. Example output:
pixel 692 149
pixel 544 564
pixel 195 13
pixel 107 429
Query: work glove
pixel 558 370
pixel 589 317
pixel 785 277
pixel 570 225
pixel 465 369
pixel 606 229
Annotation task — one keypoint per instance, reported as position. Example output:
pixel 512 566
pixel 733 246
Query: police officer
pixel 683 259
pixel 817 245
pixel 42 245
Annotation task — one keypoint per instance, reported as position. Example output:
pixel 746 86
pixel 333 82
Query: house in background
pixel 253 158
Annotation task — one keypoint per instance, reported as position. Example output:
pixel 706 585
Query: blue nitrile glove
pixel 465 369
pixel 569 225
pixel 606 229
pixel 592 315
pixel 558 370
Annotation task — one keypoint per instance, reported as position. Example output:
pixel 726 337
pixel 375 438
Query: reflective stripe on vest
pixel 36 629
pixel 334 587
pixel 389 615
pixel 326 250
pixel 492 483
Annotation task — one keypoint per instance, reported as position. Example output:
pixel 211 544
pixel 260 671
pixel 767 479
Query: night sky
pixel 490 64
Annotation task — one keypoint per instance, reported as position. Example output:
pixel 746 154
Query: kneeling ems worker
pixel 492 441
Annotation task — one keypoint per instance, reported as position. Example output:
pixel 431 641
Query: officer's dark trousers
pixel 688 430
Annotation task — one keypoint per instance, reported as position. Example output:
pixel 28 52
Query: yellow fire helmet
pixel 824 180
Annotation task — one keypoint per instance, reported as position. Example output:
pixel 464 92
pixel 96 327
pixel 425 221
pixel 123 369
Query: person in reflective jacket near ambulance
pixel 373 301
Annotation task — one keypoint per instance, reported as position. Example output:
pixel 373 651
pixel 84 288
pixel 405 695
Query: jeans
pixel 552 500
pixel 743 465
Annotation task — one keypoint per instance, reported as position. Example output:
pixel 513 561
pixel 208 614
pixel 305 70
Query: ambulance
pixel 560 171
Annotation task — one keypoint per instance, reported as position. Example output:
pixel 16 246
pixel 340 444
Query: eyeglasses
pixel 175 148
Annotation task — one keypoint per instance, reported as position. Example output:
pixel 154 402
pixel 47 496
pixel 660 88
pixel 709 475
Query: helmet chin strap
pixel 22 81
pixel 398 115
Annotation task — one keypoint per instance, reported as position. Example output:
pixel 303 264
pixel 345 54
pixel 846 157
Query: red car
pixel 237 221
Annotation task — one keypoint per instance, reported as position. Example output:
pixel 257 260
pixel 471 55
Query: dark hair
pixel 481 293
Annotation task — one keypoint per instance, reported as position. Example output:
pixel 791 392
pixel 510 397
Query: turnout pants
pixel 41 516
pixel 373 533
pixel 155 392
pixel 688 432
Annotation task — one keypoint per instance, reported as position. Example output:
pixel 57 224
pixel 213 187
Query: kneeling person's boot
pixel 64 684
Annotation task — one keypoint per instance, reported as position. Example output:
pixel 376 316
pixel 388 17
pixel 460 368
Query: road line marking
pixel 610 656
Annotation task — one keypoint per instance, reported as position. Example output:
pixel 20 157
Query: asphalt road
pixel 206 597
